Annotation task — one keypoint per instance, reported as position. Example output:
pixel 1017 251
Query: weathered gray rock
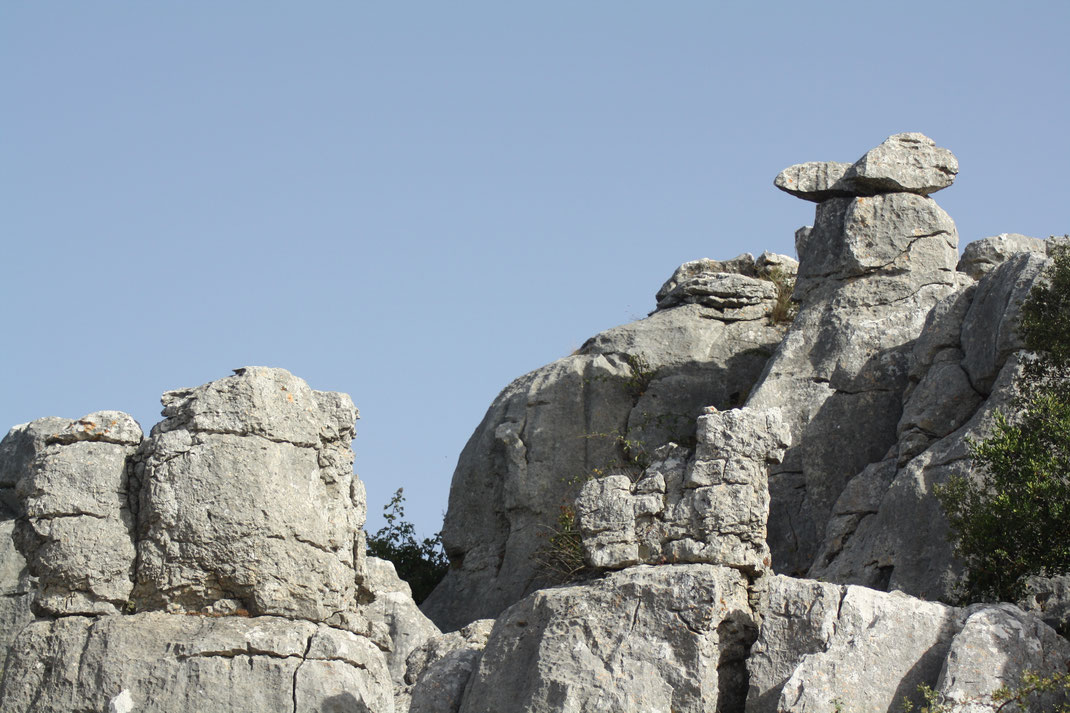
pixel 647 638
pixel 982 256
pixel 393 607
pixel 76 529
pixel 737 289
pixel 248 501
pixel 21 445
pixel 438 671
pixel 995 647
pixel 644 382
pixel 909 162
pixel 16 591
pixel 990 327
pixel 965 369
pixel 1049 599
pixel 711 508
pixel 822 644
pixel 870 271
pixel 815 180
pixel 172 664
pixel 899 538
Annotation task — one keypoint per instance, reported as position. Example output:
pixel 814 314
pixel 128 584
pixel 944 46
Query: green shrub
pixel 1033 690
pixel 1012 518
pixel 422 564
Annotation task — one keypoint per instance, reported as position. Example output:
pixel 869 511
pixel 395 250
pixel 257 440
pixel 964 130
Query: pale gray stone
pixel 815 180
pixel 908 162
pixel 1049 599
pixel 942 401
pixel 76 533
pixel 798 618
pixel 22 444
pixel 248 499
pixel 16 591
pixel 646 638
pixel 990 327
pixel 555 426
pixel 902 542
pixel 439 669
pixel 871 269
pixel 982 256
pixel 711 508
pixel 995 647
pixel 163 663
pixel 863 650
pixel 394 607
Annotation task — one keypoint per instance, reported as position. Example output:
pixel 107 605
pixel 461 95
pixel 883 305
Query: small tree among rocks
pixel 1012 519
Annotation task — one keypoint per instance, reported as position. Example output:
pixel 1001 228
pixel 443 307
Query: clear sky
pixel 417 202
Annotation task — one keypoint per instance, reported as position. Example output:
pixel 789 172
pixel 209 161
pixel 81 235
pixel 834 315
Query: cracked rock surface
pixel 248 501
pixel 645 382
pixel 76 526
pixel 870 271
pixel 647 638
pixel 709 506
pixel 165 663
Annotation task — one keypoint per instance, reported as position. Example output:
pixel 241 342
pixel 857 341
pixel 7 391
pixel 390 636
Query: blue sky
pixel 416 203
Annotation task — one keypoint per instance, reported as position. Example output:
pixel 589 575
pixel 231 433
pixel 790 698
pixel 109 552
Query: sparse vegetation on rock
pixel 1012 519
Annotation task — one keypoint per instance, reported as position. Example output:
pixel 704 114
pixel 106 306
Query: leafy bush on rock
pixel 1011 519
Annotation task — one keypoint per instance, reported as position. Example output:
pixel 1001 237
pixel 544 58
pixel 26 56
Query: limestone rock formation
pixel 76 530
pixel 408 629
pixel 242 504
pixel 160 662
pixel 1049 599
pixel 870 271
pixel 438 671
pixel 219 564
pixel 887 530
pixel 639 385
pixel 661 638
pixel 982 256
pixel 248 501
pixel 710 506
pixel 822 645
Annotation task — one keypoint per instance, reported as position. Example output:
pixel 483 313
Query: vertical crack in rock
pixel 297 669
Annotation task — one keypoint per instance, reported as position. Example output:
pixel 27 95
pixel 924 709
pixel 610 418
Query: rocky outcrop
pixel 982 256
pixel 236 528
pixel 407 628
pixel 824 647
pixel 640 385
pixel 219 563
pixel 288 541
pixel 887 530
pixel 710 506
pixel 648 638
pixel 870 270
pixel 161 662
pixel 75 529
pixel 437 672
pixel 1049 599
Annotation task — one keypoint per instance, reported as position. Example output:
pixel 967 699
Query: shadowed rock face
pixel 645 382
pixel 870 270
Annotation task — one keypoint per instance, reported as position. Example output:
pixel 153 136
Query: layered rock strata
pixel 707 506
pixel 236 528
pixel 248 501
pixel 887 530
pixel 879 256
pixel 640 385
